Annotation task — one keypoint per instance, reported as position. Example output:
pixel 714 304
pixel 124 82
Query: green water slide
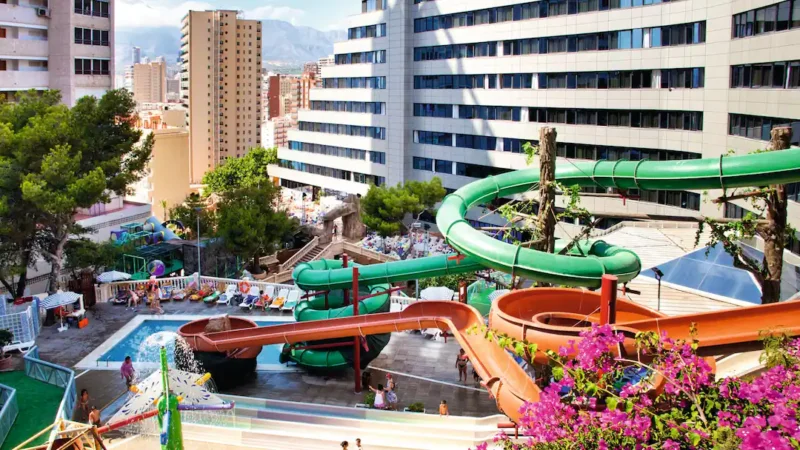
pixel 585 264
pixel 759 169
pixel 328 274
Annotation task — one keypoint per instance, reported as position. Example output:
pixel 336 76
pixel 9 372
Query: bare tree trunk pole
pixel 547 189
pixel 774 233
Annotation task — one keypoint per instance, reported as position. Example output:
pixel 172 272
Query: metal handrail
pixel 31 358
pixel 9 411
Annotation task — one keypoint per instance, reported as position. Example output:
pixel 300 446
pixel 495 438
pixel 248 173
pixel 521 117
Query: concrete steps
pixel 273 424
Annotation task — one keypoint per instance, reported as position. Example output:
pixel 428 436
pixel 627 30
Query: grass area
pixel 37 402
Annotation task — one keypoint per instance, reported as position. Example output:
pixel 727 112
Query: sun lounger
pixel 165 293
pixel 277 304
pixel 227 297
pixel 250 299
pixel 291 301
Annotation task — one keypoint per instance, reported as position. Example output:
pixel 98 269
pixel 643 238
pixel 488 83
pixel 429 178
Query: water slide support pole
pixel 356 343
pixel 608 300
pixel 345 296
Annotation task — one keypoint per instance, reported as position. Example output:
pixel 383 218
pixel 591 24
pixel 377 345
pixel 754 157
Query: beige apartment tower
pixel 220 86
pixel 57 44
pixel 150 82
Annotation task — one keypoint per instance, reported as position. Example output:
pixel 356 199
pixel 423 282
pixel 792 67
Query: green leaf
pixel 558 373
pixel 694 438
pixel 628 406
pixel 519 349
pixel 612 402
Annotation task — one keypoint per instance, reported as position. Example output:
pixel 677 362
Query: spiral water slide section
pixel 548 317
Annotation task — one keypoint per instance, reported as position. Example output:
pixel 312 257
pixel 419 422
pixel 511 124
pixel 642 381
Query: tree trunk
pixel 547 189
pixel 56 263
pixel 774 233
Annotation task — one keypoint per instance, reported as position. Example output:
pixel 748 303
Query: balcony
pixel 24 48
pixel 19 80
pixel 21 14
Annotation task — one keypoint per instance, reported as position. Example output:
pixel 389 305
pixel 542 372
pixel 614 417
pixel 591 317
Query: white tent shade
pixel 437 293
pixel 112 276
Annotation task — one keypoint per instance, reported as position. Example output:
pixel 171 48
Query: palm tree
pixel 164 207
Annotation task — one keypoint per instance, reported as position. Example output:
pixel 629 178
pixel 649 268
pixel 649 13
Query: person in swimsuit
pixel 94 417
pixel 380 403
pixel 461 365
pixel 443 410
pixel 391 396
pixel 344 445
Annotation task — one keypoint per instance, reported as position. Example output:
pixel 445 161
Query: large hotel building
pixel 57 44
pixel 454 88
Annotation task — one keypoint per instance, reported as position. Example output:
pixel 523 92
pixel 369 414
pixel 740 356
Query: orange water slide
pixel 552 317
pixel 503 377
pixel 548 317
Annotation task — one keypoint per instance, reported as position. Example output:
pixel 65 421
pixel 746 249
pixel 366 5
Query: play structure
pixel 154 254
pixel 549 317
pixel 164 394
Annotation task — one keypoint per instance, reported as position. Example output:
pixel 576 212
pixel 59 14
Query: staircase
pixel 274 424
pixel 312 254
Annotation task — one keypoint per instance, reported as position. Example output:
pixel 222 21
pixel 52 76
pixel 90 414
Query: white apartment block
pixel 453 88
pixel 220 86
pixel 57 44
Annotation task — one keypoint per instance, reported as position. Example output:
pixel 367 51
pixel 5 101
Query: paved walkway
pixel 424 369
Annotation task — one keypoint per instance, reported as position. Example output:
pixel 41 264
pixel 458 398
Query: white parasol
pixel 181 384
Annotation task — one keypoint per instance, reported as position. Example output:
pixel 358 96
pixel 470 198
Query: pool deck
pixel 424 369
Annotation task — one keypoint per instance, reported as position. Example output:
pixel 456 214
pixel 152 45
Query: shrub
pixel 587 406
pixel 6 338
pixel 416 407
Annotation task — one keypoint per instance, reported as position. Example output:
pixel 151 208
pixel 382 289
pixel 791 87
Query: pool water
pixel 143 343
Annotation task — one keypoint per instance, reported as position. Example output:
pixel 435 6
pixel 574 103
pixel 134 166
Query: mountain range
pixel 283 43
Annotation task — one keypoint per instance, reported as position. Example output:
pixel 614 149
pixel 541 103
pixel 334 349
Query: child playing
pixel 443 410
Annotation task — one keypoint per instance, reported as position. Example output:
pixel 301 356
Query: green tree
pixel 59 160
pixel 250 226
pixel 18 217
pixel 187 213
pixel 85 254
pixel 249 170
pixel 384 207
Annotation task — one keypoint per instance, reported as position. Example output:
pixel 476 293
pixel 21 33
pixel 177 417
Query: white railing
pixel 300 253
pixel 359 250
pixel 24 327
pixel 105 292
pixel 402 301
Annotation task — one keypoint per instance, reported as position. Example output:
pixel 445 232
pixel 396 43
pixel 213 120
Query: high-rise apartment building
pixel 454 89
pixel 58 44
pixel 150 82
pixel 307 81
pixel 136 55
pixel 220 86
pixel 283 95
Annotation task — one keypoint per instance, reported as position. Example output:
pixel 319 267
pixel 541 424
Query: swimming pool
pixel 142 338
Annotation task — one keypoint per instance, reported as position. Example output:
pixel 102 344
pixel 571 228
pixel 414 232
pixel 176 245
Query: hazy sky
pixel 321 14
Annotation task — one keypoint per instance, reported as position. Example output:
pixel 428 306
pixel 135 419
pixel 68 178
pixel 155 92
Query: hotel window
pixel 778 17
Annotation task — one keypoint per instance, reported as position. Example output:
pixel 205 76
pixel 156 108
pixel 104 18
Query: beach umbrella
pixel 496 294
pixel 60 299
pixel 112 276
